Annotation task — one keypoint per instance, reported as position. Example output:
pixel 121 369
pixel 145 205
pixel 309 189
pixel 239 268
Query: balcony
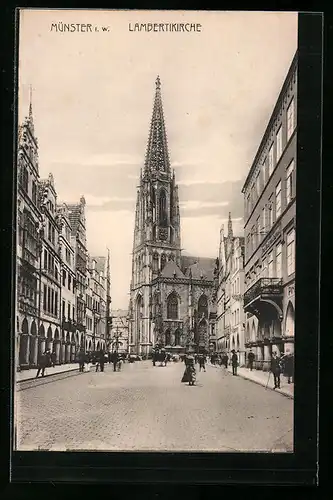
pixel 265 291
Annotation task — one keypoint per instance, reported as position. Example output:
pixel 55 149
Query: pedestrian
pixel 189 373
pixel 287 365
pixel 276 370
pixel 101 359
pixel 53 359
pixel 81 358
pixel 43 362
pixel 225 360
pixel 250 358
pixel 87 360
pixel 114 360
pixel 202 360
pixel 234 362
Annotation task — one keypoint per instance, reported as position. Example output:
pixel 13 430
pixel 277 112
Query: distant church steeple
pixel 230 231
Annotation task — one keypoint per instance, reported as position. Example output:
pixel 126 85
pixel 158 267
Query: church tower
pixel 157 226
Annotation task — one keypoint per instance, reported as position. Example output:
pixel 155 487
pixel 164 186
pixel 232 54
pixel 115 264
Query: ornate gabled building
pixel 230 291
pixel 29 245
pixel 172 299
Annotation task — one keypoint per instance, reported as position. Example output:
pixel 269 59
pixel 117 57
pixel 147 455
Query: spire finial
pixel 30 103
pixel 158 83
pixel 230 234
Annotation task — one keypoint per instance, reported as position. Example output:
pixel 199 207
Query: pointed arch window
pixel 167 337
pixel 203 307
pixel 177 337
pixel 163 261
pixel 155 262
pixel 162 208
pixel 172 306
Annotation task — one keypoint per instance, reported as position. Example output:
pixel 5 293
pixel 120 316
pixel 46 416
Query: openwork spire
pixel 157 156
pixel 230 231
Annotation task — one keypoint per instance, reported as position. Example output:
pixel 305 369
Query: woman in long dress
pixel 189 373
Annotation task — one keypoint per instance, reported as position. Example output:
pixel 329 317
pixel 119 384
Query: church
pixel 172 296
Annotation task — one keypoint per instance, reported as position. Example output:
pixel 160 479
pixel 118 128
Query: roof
pixel 74 212
pixel 119 313
pixel 100 264
pixel 199 266
pixel 171 270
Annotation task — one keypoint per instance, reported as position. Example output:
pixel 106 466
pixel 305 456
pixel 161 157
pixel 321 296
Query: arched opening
pixel 49 333
pixel 248 338
pixel 163 218
pixel 237 342
pixel 177 337
pixel 33 328
pixel 98 346
pixel 90 346
pixel 167 337
pixel 290 321
pixel 253 332
pixel 33 345
pixel 172 306
pixel 24 344
pixel 56 334
pixel 42 331
pixel 139 306
pixel 203 307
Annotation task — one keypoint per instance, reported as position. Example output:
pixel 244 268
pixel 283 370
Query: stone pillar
pixel 63 350
pixel 267 358
pixel 24 350
pixel 57 351
pixel 41 347
pixel 33 351
pixel 73 351
pixel 68 353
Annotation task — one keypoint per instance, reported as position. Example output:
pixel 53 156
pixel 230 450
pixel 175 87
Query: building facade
pixel 96 305
pixel 230 290
pixel 50 324
pixel 119 340
pixel 270 224
pixel 172 299
pixel 29 232
pixel 69 343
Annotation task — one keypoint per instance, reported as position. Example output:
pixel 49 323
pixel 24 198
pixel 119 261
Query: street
pixel 147 408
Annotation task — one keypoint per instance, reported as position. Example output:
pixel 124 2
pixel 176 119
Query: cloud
pixel 100 160
pixel 197 204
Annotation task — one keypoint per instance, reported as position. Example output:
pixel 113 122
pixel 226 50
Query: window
pixel 279 144
pixel 167 338
pixel 24 179
pixel 270 161
pixel 289 182
pixel 155 262
pixel 68 311
pixel 203 307
pixel 264 171
pixel 68 257
pixel 291 252
pixel 270 265
pixel 258 184
pixel 56 304
pixel 172 306
pixel 73 312
pixel 258 231
pixel 279 261
pixel 290 119
pixel 271 212
pixel 69 281
pixel 163 261
pixel 63 309
pixel 177 337
pixel 248 205
pixel 34 193
pixel 278 200
pixel 163 210
pixel 264 268
pixel 64 278
pixel 45 259
pixel 45 298
pixel 48 300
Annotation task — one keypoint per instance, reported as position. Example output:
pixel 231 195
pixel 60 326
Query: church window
pixel 162 207
pixel 203 307
pixel 172 306
pixel 177 337
pixel 163 261
pixel 155 262
pixel 167 337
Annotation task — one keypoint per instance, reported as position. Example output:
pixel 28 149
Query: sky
pixel 92 97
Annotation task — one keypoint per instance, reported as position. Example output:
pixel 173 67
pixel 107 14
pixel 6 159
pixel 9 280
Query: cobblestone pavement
pixel 148 408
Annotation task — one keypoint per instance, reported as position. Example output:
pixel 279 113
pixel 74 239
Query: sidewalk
pixel 261 377
pixel 31 374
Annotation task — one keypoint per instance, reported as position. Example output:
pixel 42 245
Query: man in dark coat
pixel 234 362
pixel 276 370
pixel 43 362
pixel 53 359
pixel 114 360
pixel 101 359
pixel 81 359
pixel 287 362
pixel 251 359
pixel 202 360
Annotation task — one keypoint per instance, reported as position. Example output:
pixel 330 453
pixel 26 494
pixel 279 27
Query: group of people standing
pixel 99 359
pixel 282 365
pixel 161 356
